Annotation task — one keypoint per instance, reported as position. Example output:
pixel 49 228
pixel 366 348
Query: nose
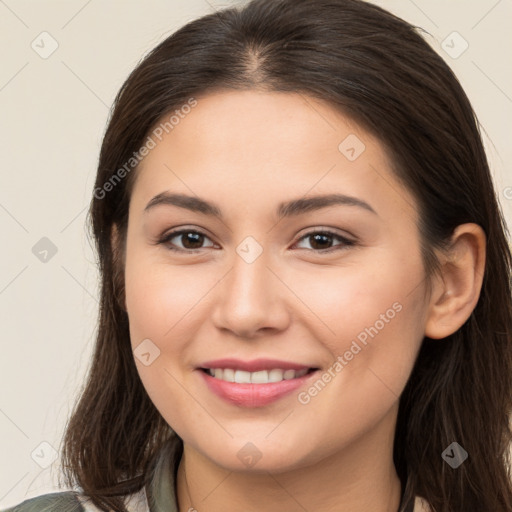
pixel 251 299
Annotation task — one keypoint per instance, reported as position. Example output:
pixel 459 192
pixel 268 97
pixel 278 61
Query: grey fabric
pixel 161 493
pixel 64 501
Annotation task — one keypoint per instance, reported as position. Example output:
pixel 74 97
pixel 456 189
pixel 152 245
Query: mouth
pixel 258 377
pixel 254 389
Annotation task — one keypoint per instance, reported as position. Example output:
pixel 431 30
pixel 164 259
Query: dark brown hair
pixel 379 71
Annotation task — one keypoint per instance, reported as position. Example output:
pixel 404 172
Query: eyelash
pixel 345 241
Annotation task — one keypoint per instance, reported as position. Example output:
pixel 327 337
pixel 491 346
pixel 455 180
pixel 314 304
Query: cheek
pixel 160 298
pixel 160 302
pixel 371 315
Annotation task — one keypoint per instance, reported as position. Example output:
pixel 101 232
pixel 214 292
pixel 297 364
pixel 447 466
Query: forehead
pixel 249 149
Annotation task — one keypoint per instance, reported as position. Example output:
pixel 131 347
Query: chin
pixel 258 455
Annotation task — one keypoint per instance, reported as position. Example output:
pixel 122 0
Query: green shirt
pixel 158 496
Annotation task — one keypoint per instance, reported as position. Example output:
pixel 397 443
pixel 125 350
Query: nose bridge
pixel 249 298
pixel 248 287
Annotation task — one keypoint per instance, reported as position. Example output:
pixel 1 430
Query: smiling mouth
pixel 259 377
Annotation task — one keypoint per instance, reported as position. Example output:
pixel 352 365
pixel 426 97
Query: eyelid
pixel 166 237
pixel 347 241
pixel 327 230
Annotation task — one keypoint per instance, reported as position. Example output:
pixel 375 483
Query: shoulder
pixel 72 501
pixel 63 501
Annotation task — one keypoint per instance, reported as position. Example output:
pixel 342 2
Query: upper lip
pixel 255 365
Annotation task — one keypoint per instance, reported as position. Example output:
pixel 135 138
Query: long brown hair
pixel 379 71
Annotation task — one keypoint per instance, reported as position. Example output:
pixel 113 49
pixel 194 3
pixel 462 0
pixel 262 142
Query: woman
pixel 305 298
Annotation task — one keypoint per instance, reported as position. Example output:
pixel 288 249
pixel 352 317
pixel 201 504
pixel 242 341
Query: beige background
pixel 54 112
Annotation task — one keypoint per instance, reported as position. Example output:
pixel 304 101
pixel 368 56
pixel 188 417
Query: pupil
pixel 194 237
pixel 197 238
pixel 317 236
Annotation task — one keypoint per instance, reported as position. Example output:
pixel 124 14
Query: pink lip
pixel 255 365
pixel 252 395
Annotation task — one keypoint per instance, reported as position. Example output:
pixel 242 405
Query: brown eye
pixel 321 241
pixel 191 240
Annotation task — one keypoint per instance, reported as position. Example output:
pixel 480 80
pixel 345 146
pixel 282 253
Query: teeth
pixel 261 377
pixel 241 377
pixel 228 375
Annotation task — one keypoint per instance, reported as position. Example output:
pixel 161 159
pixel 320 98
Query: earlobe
pixel 458 287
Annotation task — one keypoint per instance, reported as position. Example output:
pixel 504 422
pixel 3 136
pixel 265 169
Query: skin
pixel 247 151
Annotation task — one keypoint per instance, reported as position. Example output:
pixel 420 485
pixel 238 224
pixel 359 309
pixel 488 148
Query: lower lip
pixel 253 395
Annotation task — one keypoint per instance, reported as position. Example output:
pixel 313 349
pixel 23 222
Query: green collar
pixel 161 491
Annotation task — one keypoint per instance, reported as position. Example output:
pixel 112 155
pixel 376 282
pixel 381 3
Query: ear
pixel 118 266
pixel 457 289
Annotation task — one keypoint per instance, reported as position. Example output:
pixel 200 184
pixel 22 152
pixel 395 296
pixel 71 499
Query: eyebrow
pixel 285 209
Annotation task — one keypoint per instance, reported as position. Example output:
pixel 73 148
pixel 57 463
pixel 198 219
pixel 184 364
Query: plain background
pixel 54 112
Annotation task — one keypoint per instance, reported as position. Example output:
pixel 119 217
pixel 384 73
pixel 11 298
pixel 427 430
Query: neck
pixel 357 478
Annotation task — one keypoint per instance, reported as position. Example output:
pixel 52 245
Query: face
pixel 336 288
